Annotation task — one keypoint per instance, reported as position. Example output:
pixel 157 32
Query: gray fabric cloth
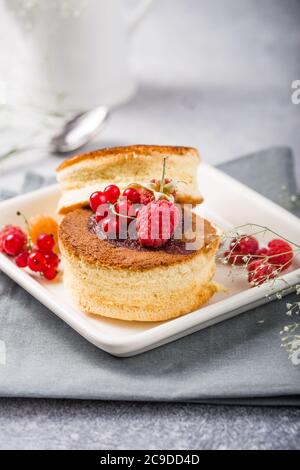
pixel 237 361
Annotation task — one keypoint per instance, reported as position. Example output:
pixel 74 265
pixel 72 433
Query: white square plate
pixel 228 203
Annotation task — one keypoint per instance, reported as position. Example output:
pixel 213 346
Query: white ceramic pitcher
pixel 81 50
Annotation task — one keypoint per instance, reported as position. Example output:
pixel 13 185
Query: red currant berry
pixel 132 195
pixel 261 253
pixel 280 253
pixel 9 230
pixel 251 267
pixel 49 272
pixel 13 244
pixel 52 259
pixel 135 210
pixel 123 208
pixel 112 193
pixel 36 262
pixel 45 243
pixel 102 212
pixel 110 227
pixel 260 272
pixel 97 199
pixel 241 249
pixel 22 259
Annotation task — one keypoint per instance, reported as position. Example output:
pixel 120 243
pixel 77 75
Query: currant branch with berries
pixel 40 257
pixel 264 265
pixel 290 341
pixel 151 208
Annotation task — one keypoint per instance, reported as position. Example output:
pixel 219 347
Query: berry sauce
pixel 172 246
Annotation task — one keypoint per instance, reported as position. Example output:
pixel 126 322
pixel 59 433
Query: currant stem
pixel 162 181
pixel 266 229
pixel 120 215
pixel 30 244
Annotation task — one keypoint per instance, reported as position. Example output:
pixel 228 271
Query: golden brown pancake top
pixel 79 241
pixel 130 150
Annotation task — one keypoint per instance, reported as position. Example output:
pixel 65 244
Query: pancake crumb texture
pixel 130 285
pixel 80 176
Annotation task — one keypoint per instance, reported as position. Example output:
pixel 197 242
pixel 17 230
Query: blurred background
pixel 212 74
pixel 204 73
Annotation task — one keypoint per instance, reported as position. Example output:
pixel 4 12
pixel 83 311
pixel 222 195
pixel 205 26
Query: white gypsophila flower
pixel 295 357
pixel 290 341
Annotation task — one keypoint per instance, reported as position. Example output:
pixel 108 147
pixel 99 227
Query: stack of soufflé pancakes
pixel 132 247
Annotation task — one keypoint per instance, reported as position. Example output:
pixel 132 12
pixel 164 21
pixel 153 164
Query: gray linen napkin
pixel 237 361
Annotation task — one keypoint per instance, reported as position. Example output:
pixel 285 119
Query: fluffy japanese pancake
pixel 130 283
pixel 80 176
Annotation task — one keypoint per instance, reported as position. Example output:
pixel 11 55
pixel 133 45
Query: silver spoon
pixel 75 134
pixel 79 131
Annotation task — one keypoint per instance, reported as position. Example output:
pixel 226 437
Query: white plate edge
pixel 167 329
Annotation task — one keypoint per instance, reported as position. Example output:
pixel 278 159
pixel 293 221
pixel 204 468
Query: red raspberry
pixel 9 230
pixel 260 272
pixel 239 248
pixel 280 253
pixel 261 253
pixel 146 196
pixel 156 223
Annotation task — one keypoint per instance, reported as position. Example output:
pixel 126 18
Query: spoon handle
pixel 79 131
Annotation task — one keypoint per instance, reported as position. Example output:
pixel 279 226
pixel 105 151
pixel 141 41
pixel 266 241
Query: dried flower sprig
pixel 287 200
pixel 290 335
pixel 290 341
pixel 295 200
pixel 235 259
pixel 293 309
pixel 259 230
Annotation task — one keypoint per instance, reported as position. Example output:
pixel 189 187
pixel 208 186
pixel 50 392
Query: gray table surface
pixel 216 75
